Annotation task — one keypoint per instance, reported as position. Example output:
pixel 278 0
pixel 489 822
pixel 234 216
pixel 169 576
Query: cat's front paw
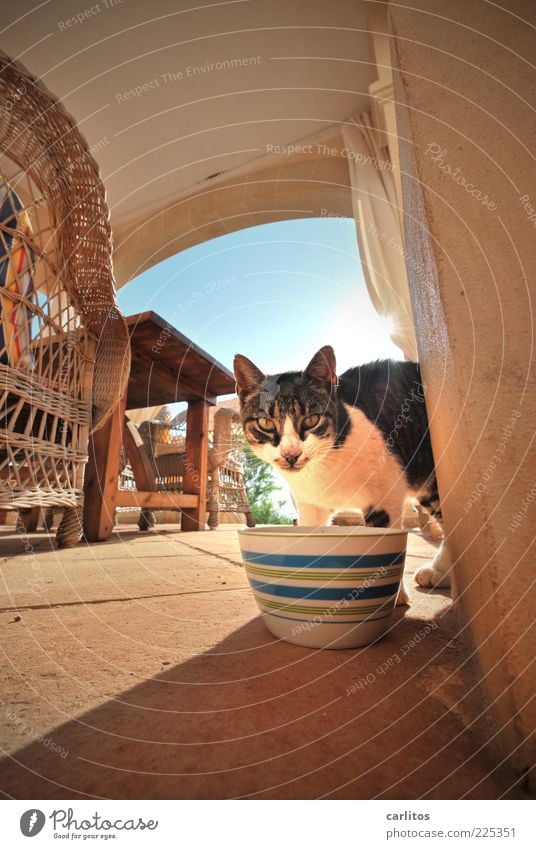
pixel 429 576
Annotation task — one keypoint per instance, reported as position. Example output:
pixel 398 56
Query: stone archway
pixel 308 183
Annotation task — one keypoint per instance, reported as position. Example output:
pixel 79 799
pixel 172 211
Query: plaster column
pixel 465 94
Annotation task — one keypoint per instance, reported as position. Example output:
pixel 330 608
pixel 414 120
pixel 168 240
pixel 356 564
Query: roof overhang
pixel 196 113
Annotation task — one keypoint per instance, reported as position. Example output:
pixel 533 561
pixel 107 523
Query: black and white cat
pixel 358 441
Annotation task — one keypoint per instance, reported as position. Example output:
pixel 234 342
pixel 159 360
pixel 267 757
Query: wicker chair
pixel 226 491
pixel 164 444
pixel 64 346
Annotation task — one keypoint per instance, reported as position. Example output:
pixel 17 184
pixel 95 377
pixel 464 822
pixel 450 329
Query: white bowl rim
pixel 323 531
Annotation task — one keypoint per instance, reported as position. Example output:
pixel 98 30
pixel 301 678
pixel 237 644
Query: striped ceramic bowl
pixel 327 587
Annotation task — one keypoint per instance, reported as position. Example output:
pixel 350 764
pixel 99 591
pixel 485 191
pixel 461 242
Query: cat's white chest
pixel 356 475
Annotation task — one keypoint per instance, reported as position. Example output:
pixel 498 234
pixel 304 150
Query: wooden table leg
pixel 196 464
pixel 102 476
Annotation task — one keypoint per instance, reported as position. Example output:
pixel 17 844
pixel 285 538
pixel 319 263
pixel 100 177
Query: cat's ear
pixel 246 373
pixel 323 366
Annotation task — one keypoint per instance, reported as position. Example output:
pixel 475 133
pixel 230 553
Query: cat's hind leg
pixel 437 572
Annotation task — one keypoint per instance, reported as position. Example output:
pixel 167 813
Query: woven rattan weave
pixel 64 347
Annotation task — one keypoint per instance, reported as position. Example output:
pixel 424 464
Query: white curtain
pixel 379 230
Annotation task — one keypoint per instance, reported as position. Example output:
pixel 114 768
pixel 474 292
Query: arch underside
pixel 310 185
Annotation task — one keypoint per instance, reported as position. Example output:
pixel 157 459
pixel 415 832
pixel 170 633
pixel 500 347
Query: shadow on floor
pixel 258 717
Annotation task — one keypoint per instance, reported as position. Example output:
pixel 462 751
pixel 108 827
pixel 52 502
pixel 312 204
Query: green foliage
pixel 267 513
pixel 258 477
pixel 261 484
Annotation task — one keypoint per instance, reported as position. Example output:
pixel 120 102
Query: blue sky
pixel 276 293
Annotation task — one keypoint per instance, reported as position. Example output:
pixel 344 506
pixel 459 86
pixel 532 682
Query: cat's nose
pixel 292 459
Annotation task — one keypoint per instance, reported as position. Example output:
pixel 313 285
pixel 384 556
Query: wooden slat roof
pixel 168 367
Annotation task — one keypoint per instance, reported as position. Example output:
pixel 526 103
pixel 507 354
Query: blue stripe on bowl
pixel 324 593
pixel 327 561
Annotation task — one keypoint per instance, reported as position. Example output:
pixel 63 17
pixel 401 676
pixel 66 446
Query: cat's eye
pixel 266 424
pixel 311 421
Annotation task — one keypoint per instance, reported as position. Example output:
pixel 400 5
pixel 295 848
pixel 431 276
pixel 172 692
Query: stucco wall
pixel 464 90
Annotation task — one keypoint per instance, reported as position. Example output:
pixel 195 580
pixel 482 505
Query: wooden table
pixel 166 367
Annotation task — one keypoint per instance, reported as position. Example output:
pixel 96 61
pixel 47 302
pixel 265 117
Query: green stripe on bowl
pixel 323 610
pixel 338 624
pixel 310 575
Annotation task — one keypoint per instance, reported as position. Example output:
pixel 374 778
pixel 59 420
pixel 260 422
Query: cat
pixel 357 441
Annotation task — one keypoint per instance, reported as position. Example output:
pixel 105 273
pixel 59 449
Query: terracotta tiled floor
pixel 139 668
